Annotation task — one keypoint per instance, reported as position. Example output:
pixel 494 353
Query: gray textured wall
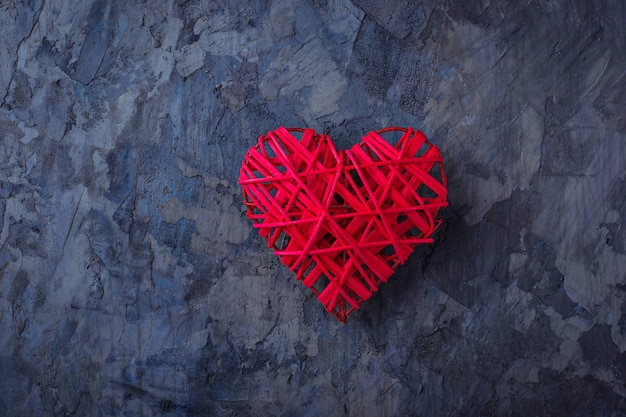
pixel 132 284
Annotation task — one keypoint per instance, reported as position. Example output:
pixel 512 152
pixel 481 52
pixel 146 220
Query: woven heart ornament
pixel 343 220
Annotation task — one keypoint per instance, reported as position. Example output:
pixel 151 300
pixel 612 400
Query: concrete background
pixel 132 284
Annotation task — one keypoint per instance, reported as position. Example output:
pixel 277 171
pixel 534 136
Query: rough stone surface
pixel 132 284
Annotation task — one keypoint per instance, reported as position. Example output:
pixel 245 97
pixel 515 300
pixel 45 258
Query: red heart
pixel 343 220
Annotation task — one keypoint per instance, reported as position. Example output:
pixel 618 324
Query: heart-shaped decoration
pixel 343 220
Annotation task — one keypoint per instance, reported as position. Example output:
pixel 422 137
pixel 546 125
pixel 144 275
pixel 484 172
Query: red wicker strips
pixel 343 220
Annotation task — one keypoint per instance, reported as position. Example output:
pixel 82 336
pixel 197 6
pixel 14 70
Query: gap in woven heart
pixel 343 220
